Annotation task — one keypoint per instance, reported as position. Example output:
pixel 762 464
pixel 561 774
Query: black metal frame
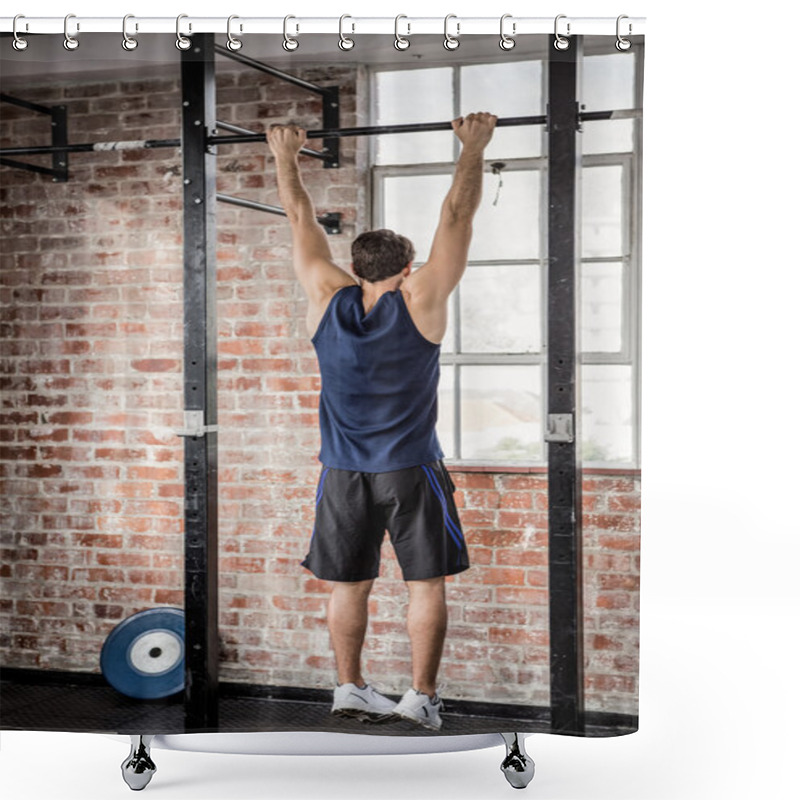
pixel 201 694
pixel 198 141
pixel 563 392
pixel 58 134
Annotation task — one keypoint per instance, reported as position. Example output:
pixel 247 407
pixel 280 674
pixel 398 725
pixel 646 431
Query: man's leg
pixel 347 623
pixel 427 624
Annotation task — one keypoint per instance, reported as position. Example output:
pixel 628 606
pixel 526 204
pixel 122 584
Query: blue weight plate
pixel 143 656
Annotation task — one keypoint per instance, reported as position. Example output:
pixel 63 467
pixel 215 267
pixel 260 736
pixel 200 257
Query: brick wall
pixel 92 392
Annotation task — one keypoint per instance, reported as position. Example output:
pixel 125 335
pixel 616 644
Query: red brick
pixel 533 597
pixel 521 557
pixel 518 635
pixel 624 502
pixel 156 365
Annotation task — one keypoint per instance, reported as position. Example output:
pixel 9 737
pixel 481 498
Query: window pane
pixel 501 413
pixel 411 206
pixel 501 309
pixel 601 307
pixel 607 136
pixel 414 95
pixel 445 427
pixel 509 229
pixel 449 341
pixel 607 413
pixel 608 81
pixel 601 207
pixel 520 96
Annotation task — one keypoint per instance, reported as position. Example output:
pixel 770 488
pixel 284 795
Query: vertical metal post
pixel 330 121
pixel 563 396
pixel 58 124
pixel 200 379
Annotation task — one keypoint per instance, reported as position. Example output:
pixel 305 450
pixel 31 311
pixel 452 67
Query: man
pixel 378 343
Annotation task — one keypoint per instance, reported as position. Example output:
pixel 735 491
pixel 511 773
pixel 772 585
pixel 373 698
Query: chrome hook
pixel 18 43
pixel 128 42
pixel 70 42
pixel 451 42
pixel 506 42
pixel 233 44
pixel 623 44
pixel 182 43
pixel 560 43
pixel 344 42
pixel 400 42
pixel 289 42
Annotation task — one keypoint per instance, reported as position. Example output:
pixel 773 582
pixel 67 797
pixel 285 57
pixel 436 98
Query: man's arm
pixel 437 278
pixel 312 258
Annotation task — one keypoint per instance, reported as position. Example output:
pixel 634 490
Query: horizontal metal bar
pixel 276 73
pixel 377 130
pixel 304 151
pixel 91 147
pixel 8 162
pixel 227 126
pixel 15 101
pixel 243 138
pixel 328 221
pixel 421 127
pixel 620 113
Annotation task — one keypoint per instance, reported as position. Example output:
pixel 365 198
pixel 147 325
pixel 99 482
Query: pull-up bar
pixel 332 221
pixel 332 133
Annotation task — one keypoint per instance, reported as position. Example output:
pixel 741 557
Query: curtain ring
pixel 70 42
pixel 560 43
pixel 18 43
pixel 182 43
pixel 128 42
pixel 451 42
pixel 506 42
pixel 400 42
pixel 289 42
pixel 344 42
pixel 623 44
pixel 233 44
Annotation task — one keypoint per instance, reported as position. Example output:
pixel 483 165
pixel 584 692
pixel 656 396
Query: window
pixel 492 391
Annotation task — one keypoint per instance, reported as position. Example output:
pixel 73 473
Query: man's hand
pixel 476 129
pixel 285 140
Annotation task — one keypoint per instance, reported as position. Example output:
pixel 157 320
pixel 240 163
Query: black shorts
pixel 355 509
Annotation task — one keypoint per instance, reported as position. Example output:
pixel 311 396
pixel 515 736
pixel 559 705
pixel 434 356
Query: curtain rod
pixel 350 25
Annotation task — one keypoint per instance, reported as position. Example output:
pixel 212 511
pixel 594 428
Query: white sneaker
pixel 419 708
pixel 361 703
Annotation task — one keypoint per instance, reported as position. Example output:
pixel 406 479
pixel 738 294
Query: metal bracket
pixel 560 428
pixel 331 221
pixel 194 427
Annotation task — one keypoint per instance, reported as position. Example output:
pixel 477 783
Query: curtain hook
pixel 344 42
pixel 451 42
pixel 70 42
pixel 129 42
pixel 400 42
pixel 506 41
pixel 623 44
pixel 233 43
pixel 182 43
pixel 289 42
pixel 560 43
pixel 18 43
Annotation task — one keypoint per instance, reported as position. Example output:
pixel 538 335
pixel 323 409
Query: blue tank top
pixel 378 405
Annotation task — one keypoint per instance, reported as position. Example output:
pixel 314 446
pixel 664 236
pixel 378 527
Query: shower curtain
pixel 151 267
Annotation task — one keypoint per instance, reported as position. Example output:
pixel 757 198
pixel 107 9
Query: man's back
pixel 379 384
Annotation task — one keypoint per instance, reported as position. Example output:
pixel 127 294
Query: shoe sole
pixel 373 717
pixel 422 723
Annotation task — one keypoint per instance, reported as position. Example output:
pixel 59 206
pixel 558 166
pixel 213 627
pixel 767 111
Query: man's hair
pixel 380 254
